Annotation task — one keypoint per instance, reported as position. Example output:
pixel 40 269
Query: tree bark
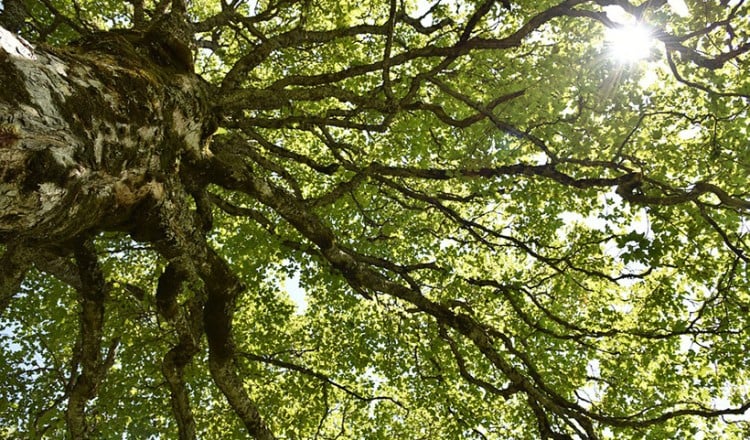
pixel 91 318
pixel 107 135
pixel 87 134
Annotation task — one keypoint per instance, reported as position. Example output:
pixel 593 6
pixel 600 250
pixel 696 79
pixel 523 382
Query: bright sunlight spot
pixel 679 7
pixel 629 43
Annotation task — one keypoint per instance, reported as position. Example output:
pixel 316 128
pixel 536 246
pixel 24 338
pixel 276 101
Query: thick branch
pixel 177 235
pixel 91 321
pixel 223 287
pixel 13 266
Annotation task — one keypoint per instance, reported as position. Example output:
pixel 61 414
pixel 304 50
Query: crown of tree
pixel 406 219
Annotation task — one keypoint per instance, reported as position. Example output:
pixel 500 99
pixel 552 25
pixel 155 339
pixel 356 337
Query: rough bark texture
pixel 188 324
pixel 88 358
pixel 88 134
pixel 98 137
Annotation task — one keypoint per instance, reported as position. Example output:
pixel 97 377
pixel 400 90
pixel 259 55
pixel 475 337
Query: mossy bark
pixel 87 134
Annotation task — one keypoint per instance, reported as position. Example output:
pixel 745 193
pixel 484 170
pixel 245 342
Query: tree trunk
pixel 113 134
pixel 90 133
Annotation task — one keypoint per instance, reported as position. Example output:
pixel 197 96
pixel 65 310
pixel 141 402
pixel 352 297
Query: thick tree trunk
pixel 87 134
pixel 108 135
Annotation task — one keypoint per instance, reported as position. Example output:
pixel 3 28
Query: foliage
pixel 531 238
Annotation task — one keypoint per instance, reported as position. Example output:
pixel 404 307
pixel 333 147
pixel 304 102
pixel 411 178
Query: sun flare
pixel 629 43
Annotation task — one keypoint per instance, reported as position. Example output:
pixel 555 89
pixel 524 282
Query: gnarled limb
pixel 93 366
pixel 174 231
pixel 188 324
pixel 223 287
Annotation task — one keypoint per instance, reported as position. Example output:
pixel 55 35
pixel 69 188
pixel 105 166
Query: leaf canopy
pixel 477 223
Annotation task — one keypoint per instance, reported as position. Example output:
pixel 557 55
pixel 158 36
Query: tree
pixel 501 229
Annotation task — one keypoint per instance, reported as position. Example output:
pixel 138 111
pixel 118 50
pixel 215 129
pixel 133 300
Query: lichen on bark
pixel 111 135
pixel 88 134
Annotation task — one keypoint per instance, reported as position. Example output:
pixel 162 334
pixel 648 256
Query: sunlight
pixel 629 43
